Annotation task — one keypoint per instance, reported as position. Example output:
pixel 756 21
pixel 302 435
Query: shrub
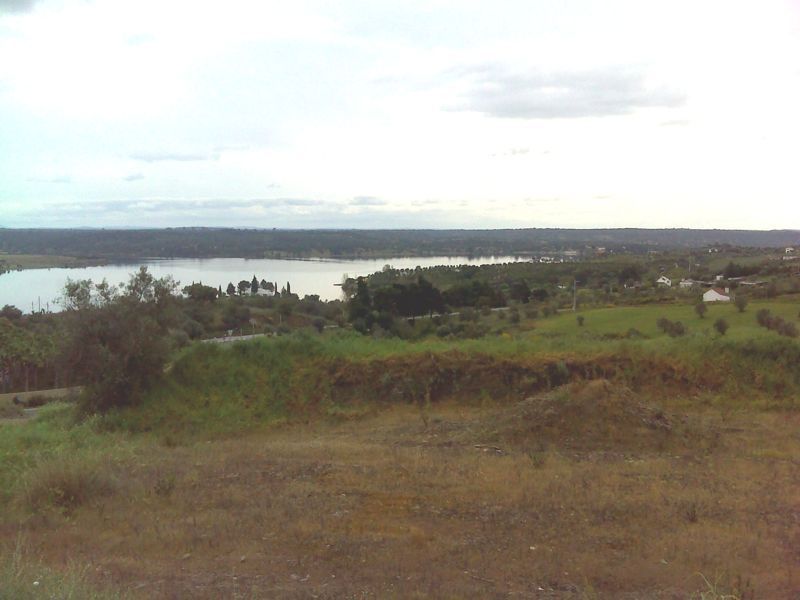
pixel 721 325
pixel 66 483
pixel 468 314
pixel 580 319
pixel 741 302
pixel 700 308
pixel 777 324
pixel 532 312
pixel 671 328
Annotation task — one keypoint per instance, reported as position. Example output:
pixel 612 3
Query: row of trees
pixel 366 309
pixel 206 293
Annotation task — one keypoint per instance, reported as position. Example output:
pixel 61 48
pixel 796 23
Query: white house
pixel 664 280
pixel 789 250
pixel 716 294
pixel 687 283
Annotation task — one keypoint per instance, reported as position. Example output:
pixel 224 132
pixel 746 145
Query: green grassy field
pixel 619 320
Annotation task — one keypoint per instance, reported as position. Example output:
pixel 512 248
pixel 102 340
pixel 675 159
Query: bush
pixel 532 312
pixel 700 308
pixel 721 325
pixel 671 328
pixel 777 324
pixel 468 314
pixel 741 302
pixel 66 483
pixel 580 319
pixel 118 344
pixel 763 317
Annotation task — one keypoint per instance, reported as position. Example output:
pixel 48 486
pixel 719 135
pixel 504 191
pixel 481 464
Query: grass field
pixel 545 462
pixel 643 318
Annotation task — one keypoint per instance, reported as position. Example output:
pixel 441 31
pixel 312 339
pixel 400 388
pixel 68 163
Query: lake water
pixel 42 287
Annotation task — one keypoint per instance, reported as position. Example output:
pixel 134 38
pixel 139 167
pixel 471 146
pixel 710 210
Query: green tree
pixel 741 302
pixel 254 286
pixel 118 343
pixel 359 307
pixel 721 325
pixel 243 286
pixel 520 291
pixel 231 291
pixel 200 293
pixel 700 308
pixel 12 313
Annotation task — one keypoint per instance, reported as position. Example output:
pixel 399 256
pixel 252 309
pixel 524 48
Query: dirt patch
pixel 591 416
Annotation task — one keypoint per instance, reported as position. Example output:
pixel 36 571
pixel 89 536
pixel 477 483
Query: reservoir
pixel 30 289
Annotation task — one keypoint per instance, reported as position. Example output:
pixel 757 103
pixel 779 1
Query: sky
pixel 413 114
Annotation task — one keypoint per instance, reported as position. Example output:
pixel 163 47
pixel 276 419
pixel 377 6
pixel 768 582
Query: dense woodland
pixel 258 243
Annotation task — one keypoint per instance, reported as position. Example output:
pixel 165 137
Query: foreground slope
pixel 356 468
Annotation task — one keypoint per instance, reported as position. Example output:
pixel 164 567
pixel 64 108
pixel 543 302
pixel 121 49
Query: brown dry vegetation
pixel 587 491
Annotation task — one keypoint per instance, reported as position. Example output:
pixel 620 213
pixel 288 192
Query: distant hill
pixel 193 242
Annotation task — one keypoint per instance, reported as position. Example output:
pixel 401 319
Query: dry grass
pixel 24 579
pixel 65 483
pixel 412 504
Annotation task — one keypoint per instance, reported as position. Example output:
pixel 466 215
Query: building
pixel 716 294
pixel 664 280
pixel 687 283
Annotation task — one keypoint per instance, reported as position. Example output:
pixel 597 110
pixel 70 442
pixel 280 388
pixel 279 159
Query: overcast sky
pixel 400 114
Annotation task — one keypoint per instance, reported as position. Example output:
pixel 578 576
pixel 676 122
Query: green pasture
pixel 619 320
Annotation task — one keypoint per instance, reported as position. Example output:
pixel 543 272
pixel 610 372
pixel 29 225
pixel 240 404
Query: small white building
pixel 687 283
pixel 716 294
pixel 789 250
pixel 664 280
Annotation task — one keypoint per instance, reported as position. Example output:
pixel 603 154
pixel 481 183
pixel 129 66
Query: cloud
pixel 55 179
pixel 512 152
pixel 17 6
pixel 367 201
pixel 133 177
pixel 675 123
pixel 209 206
pixel 300 202
pixel 496 91
pixel 174 156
